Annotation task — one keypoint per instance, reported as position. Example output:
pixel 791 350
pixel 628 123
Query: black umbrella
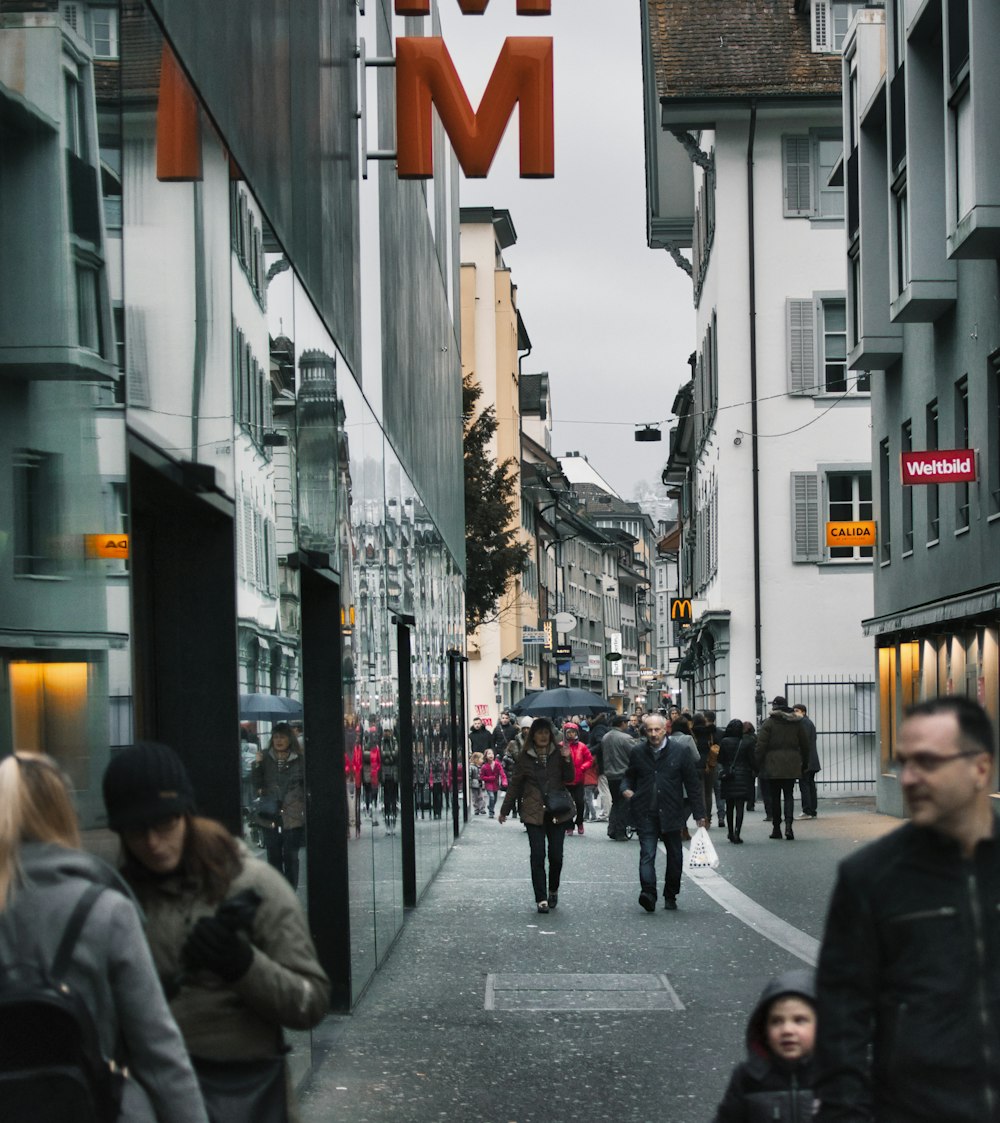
pixel 269 707
pixel 561 700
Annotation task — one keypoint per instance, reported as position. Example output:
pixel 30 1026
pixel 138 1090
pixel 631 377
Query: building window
pixel 993 433
pixel 830 21
pixel 933 495
pixel 906 445
pixel 36 512
pixel 104 32
pixel 884 521
pixel 75 123
pixel 961 123
pixel 816 346
pixel 89 318
pixel 901 222
pixel 849 499
pixel 962 490
pixel 807 162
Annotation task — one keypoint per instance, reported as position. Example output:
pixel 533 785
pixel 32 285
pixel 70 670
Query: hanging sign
pixel 850 534
pixel 945 466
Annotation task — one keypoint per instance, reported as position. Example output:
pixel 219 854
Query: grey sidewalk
pixel 643 1013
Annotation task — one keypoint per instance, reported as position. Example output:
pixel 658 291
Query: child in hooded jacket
pixel 775 1082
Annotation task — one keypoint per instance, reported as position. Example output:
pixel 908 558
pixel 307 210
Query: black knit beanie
pixel 145 784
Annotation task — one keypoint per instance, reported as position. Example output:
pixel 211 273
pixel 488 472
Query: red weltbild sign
pixel 942 466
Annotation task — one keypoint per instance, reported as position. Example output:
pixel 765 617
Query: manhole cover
pixel 580 993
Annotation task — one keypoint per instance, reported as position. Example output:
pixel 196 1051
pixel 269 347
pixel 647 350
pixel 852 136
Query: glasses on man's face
pixel 926 764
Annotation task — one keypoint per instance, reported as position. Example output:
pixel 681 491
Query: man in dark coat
pixel 782 756
pixel 908 986
pixel 807 781
pixel 659 775
pixel 616 750
pixel 505 731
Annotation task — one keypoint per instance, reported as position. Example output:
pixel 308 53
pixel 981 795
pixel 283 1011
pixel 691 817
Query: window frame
pixel 802 187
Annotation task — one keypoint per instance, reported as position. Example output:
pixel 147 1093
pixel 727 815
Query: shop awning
pixel 982 602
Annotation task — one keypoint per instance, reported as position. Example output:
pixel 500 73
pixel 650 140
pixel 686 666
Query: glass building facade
pixel 230 433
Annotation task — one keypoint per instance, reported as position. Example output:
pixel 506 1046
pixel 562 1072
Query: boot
pixel 789 833
pixel 776 833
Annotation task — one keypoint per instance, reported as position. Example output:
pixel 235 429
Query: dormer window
pixel 830 21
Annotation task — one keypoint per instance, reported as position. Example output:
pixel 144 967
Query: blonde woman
pixel 44 876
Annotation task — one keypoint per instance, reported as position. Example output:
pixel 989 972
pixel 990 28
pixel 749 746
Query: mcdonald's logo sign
pixel 681 611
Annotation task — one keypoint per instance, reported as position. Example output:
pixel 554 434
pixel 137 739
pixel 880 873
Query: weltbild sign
pixel 942 466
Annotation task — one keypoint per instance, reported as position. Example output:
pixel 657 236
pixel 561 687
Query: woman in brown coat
pixel 543 769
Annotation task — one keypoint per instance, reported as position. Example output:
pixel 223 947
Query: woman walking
pixel 228 936
pixel 494 778
pixel 279 778
pixel 542 772
pixel 736 775
pixel 44 879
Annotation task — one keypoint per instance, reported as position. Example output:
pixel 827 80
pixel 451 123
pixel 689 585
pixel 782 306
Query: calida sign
pixel 426 78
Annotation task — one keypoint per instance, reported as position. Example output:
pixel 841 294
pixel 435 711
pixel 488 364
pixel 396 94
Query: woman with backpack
pixel 228 936
pixel 49 888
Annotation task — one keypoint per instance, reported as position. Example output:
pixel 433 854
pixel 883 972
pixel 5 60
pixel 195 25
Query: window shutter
pixel 801 342
pixel 822 26
pixel 797 161
pixel 137 392
pixel 806 545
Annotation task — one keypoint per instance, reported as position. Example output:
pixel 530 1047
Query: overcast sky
pixel 611 320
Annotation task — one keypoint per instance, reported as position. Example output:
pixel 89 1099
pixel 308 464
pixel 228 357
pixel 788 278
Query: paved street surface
pixel 488 1011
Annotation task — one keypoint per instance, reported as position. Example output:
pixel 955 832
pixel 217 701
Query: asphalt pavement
pixel 486 1010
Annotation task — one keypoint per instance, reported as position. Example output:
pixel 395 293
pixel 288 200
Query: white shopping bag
pixel 702 855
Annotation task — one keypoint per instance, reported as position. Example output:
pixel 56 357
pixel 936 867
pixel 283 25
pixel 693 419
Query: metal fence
pixel 843 711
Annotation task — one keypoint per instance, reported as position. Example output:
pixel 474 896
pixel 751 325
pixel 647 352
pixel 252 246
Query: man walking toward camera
pixel 659 775
pixel 909 990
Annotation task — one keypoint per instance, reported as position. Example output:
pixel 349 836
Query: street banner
pixel 943 466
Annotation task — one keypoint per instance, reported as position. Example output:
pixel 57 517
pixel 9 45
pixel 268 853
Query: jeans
pixel 807 791
pixel 555 835
pixel 734 816
pixel 588 797
pixel 492 800
pixel 782 791
pixel 649 835
pixel 283 851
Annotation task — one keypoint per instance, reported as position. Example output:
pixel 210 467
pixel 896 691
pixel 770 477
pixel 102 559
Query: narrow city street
pixel 600 1011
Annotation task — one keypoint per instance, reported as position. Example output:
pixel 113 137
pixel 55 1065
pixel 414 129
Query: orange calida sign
pixel 522 76
pixel 113 546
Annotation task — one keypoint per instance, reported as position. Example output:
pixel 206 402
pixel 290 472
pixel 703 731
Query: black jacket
pixel 736 760
pixel 660 785
pixel 782 746
pixel 765 1088
pixel 910 962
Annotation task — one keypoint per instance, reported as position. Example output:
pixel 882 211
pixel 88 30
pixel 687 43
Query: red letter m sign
pixel 425 75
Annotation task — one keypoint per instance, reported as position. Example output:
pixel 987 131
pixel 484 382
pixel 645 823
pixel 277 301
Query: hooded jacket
pixel 765 1088
pixel 284 781
pixel 532 776
pixel 111 970
pixel 782 746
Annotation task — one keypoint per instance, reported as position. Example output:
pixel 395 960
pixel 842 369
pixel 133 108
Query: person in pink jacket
pixel 582 761
pixel 493 777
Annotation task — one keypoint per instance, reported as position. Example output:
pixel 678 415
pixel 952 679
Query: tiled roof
pixel 736 48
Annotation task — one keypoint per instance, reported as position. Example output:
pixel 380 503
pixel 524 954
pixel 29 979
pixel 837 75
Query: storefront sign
pixel 113 546
pixel 426 77
pixel 946 466
pixel 681 610
pixel 850 534
pixel 532 636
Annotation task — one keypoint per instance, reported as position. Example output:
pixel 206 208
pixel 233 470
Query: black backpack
pixel 51 1067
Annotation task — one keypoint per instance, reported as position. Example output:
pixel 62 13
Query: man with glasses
pixel 908 978
pixel 660 772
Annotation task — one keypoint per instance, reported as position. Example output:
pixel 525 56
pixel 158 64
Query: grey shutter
pixel 822 26
pixel 806 543
pixel 136 359
pixel 800 322
pixel 796 153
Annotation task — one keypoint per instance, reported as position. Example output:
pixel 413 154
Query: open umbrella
pixel 561 700
pixel 269 707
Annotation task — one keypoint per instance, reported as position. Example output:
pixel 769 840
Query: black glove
pixel 214 947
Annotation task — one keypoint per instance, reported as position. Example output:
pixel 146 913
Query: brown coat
pixel 530 774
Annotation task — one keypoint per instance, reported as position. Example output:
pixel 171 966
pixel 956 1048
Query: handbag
pixel 713 757
pixel 267 808
pixel 238 1091
pixel 559 802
